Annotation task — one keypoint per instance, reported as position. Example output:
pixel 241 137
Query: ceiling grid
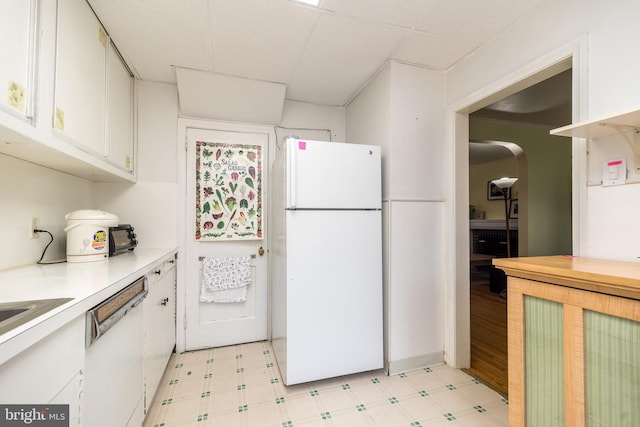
pixel 323 55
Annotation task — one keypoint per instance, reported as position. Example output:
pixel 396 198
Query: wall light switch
pixel 614 172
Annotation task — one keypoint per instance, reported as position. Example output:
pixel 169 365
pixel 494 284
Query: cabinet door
pixel 17 53
pixel 120 112
pixel 612 370
pixel 169 315
pixel 544 362
pixel 69 396
pixel 574 356
pixel 160 329
pixel 79 106
pixel 59 358
pixel 153 325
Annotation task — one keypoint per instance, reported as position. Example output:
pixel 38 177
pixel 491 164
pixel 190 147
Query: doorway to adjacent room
pixel 523 118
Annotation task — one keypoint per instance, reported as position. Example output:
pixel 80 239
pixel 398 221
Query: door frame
pixel 457 308
pixel 183 125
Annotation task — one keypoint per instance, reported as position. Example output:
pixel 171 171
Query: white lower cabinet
pixel 137 418
pixel 159 326
pixel 113 381
pixel 50 371
pixel 70 395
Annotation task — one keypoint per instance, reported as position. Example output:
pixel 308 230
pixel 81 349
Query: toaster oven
pixel 122 238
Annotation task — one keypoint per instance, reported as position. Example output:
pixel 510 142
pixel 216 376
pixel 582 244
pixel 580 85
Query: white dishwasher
pixel 113 382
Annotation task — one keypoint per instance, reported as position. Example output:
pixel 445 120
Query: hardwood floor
pixel 488 335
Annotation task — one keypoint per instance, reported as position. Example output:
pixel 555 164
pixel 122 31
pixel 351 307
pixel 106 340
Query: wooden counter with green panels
pixel 574 341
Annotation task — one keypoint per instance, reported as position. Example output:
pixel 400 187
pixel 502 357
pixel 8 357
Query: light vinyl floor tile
pixel 241 386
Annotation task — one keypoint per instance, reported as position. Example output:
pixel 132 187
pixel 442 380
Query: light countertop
pixel 87 283
pixel 619 278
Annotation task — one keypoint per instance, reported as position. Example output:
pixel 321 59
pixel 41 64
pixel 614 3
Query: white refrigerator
pixel 326 260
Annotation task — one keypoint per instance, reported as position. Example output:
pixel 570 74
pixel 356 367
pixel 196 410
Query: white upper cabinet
pixel 66 95
pixel 17 56
pixel 81 76
pixel 120 112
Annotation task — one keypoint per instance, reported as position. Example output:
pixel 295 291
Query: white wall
pixel 417 133
pixel 368 122
pixel 480 175
pixel 28 190
pixel 611 85
pixel 416 198
pixel 311 118
pixel 597 35
pixel 368 119
pixel 151 205
pixel 402 110
pixel 612 223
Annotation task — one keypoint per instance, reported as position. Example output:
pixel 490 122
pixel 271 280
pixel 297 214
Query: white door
pixel 223 212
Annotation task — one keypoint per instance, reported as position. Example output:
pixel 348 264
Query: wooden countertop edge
pixel 581 273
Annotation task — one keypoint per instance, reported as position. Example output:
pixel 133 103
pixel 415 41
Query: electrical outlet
pixel 35 225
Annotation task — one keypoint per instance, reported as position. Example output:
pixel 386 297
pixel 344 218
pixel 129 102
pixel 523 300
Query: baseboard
pixel 394 367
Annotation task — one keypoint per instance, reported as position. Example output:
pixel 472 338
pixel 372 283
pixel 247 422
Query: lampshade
pixel 504 182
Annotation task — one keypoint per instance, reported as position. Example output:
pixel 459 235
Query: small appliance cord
pixel 45 249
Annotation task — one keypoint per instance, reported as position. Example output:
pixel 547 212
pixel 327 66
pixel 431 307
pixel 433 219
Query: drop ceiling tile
pixel 404 13
pixel 188 40
pixel 341 55
pixel 324 55
pixel 154 35
pixel 472 20
pixel 432 51
pixel 137 45
pixel 259 39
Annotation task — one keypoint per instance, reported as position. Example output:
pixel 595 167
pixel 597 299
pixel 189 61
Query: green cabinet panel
pixel 612 370
pixel 544 362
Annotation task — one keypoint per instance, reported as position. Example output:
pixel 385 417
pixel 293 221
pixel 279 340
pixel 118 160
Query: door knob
pixel 261 251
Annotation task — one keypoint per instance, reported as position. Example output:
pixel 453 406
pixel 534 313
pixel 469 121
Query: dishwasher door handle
pixel 103 316
pixel 95 325
pixel 138 301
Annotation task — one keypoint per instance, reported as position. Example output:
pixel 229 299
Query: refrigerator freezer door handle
pixel 291 181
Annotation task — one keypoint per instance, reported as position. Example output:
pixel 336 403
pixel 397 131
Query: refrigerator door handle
pixel 291 182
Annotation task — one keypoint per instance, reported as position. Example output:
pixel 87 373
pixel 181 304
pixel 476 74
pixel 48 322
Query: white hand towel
pixel 225 280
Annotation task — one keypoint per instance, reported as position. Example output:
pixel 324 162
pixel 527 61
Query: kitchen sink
pixel 8 313
pixel 14 314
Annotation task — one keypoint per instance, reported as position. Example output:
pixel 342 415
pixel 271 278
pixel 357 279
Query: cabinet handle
pixel 164 301
pixel 158 272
